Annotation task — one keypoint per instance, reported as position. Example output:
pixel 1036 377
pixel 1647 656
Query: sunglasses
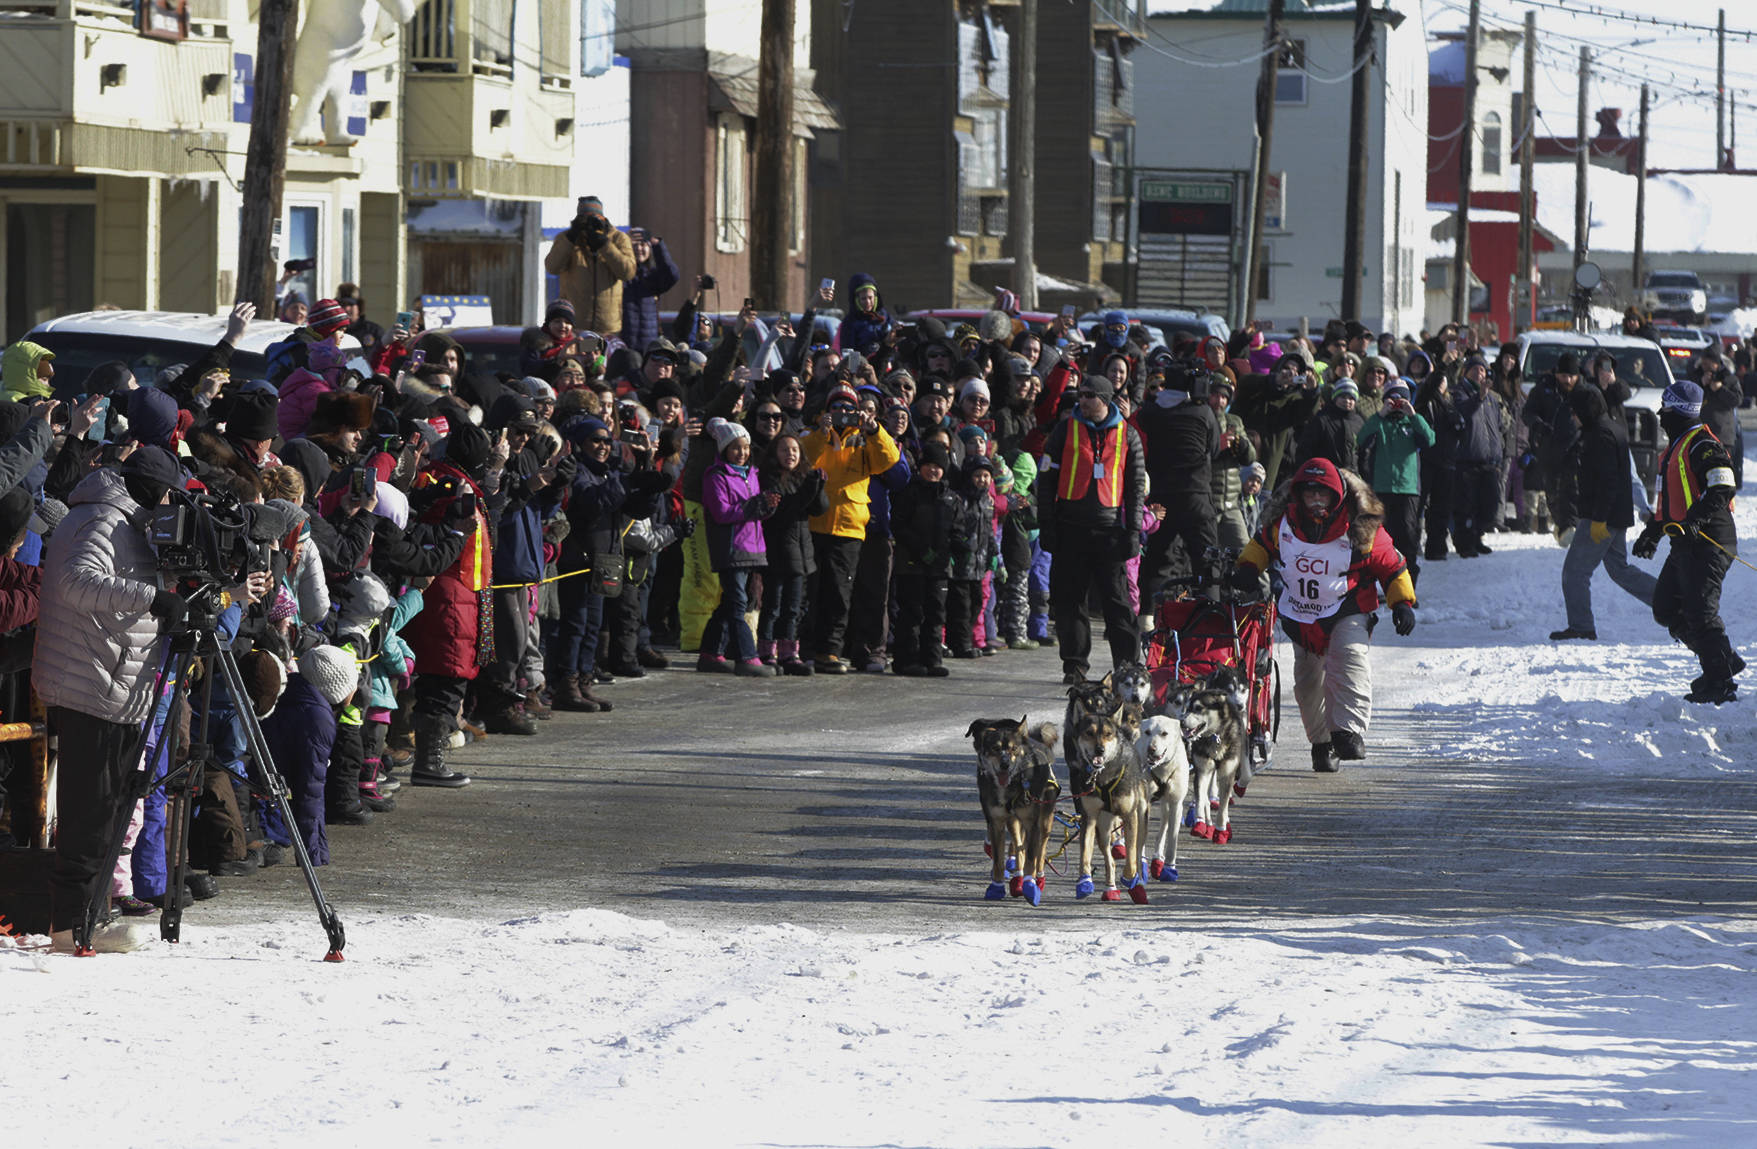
pixel 774 416
pixel 794 387
pixel 844 407
pixel 598 440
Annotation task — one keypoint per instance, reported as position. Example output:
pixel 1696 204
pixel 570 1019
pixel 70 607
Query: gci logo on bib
pixel 1314 576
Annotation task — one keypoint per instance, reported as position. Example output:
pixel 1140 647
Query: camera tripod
pixel 197 637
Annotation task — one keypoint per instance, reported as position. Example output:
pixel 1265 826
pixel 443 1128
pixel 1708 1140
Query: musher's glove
pixel 1403 617
pixel 1648 544
pixel 1246 577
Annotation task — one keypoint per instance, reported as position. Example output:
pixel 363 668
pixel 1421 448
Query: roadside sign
pixel 1185 207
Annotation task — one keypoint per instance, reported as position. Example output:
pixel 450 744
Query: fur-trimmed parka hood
pixel 1365 513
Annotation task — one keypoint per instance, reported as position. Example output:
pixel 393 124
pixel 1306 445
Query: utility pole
pixel 1527 154
pixel 1720 163
pixel 1466 172
pixel 265 157
pixel 1355 229
pixel 1266 80
pixel 1636 270
pixel 1584 146
pixel 1022 196
pixel 772 214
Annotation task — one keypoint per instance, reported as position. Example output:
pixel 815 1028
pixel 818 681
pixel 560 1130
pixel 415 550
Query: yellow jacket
pixel 849 459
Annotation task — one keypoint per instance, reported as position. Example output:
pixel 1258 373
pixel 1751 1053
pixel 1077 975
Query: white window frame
pixel 731 203
pixel 1293 63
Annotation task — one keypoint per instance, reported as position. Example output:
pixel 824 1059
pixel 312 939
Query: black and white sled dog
pixel 1016 784
pixel 1213 722
pixel 1160 747
pixel 1109 786
pixel 1090 698
pixel 1132 683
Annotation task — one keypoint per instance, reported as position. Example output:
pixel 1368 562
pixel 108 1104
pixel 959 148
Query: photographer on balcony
pixel 592 260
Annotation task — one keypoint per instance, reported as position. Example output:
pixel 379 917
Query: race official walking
pixel 1696 512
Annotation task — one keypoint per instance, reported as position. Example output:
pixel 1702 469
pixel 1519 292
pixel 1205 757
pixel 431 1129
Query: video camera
pixel 206 539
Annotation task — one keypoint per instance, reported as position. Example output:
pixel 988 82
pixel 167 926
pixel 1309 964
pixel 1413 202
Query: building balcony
pixel 478 122
pixel 82 89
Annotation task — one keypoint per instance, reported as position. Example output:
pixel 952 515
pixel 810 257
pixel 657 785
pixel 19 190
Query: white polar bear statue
pixel 335 33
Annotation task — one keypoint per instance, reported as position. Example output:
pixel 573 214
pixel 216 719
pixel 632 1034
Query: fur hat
pixel 265 679
pixel 341 411
pixel 331 671
pixel 253 415
pixel 725 434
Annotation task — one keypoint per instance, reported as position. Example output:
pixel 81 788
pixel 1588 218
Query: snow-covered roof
pixel 1446 64
pixel 1708 213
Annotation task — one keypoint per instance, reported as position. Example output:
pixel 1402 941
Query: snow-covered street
pixel 1433 1019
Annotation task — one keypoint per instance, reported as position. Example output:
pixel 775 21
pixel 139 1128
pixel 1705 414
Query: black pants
pixel 1476 503
pixel 869 616
pixel 1686 602
pixel 1083 560
pixel 1436 489
pixel 921 612
pixel 91 785
pixel 838 559
pixel 437 697
pixel 1194 523
pixel 963 601
pixel 622 629
pixel 1403 524
pixel 662 601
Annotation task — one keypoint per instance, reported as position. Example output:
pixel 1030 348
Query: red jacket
pixel 454 633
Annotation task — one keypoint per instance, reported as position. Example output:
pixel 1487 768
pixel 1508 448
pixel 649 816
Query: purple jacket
pixel 733 503
pixel 299 395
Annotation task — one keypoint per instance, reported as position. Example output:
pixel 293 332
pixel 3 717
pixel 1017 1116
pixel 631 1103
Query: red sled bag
pixel 1194 637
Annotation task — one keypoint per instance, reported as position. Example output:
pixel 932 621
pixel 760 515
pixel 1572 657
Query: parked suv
pixel 1640 363
pixel 150 340
pixel 1676 295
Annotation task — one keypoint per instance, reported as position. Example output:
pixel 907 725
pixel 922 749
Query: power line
pixel 1601 12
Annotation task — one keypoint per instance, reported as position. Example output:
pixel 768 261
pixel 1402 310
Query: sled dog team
pixel 1125 756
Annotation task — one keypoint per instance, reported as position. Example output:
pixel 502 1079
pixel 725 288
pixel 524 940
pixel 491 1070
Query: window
pixel 347 245
pixel 491 22
pixel 302 224
pixel 1491 144
pixel 1290 80
pixel 555 41
pixel 731 220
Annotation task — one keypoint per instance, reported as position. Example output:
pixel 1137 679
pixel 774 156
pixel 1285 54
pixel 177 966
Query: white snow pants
pixel 1335 689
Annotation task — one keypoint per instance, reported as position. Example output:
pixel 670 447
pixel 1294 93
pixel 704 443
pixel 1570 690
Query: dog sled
pixel 1194 637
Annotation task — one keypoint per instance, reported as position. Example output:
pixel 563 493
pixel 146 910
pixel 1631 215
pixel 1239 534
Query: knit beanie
pixel 1684 397
pixel 326 317
pixel 331 672
pixel 974 387
pixel 559 309
pixel 1345 389
pixel 725 434
pixel 935 453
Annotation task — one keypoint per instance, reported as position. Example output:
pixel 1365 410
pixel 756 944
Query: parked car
pixel 1640 363
pixel 490 350
pixel 149 341
pixel 1682 345
pixel 1171 321
pixel 1675 295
